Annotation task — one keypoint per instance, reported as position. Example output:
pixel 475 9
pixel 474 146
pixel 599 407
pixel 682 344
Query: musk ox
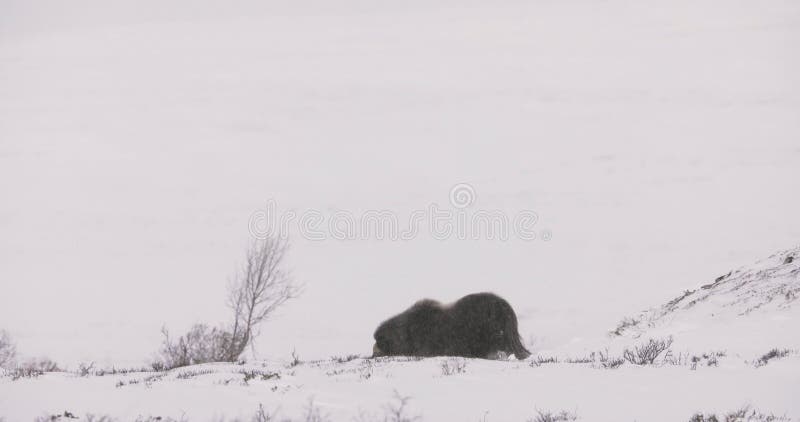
pixel 480 325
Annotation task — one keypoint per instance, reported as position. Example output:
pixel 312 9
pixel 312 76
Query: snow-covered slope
pixel 743 310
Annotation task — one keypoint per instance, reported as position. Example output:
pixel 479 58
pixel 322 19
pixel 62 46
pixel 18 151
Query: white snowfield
pixel 716 365
pixel 500 391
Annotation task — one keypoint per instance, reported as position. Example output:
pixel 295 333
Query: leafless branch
pixel 262 285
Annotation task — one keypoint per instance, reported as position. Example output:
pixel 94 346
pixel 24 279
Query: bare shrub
pixel 623 325
pixel 605 360
pixel 120 371
pixel 344 359
pixel 773 354
pixel 42 364
pixel 8 350
pixel 613 363
pixel 259 374
pixel 92 417
pixel 258 289
pixel 365 370
pixel 397 411
pixel 699 417
pixel 709 359
pixel 262 415
pixel 55 417
pixel 295 359
pixel 541 360
pixel 201 344
pixel 313 413
pixel 681 359
pixel 32 368
pixel 85 369
pixel 454 366
pixel 547 416
pixel 647 353
pixel 743 414
pixel 584 359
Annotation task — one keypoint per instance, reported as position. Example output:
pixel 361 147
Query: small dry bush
pixel 773 354
pixel 743 414
pixel 541 360
pixel 8 350
pixel 454 366
pixel 201 344
pixel 646 354
pixel 548 416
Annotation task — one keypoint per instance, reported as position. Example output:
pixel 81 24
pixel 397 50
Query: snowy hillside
pixel 743 309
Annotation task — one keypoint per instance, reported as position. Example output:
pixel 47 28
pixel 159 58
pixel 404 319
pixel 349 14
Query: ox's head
pixel 391 338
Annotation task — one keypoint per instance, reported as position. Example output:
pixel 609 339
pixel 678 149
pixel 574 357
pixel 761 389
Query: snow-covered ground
pixel 485 390
pixel 740 311
pixel 656 141
pixel 718 362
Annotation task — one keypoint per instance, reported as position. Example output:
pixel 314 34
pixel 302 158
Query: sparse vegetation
pixel 201 344
pixel 32 368
pixel 681 359
pixel 773 354
pixel 547 416
pixel 43 364
pixel 612 363
pixel 146 381
pixel 647 353
pixel 606 361
pixel 313 413
pixel 85 369
pixel 706 359
pixel 541 360
pixel 262 415
pixel 8 350
pixel 743 414
pixel 121 371
pixel 599 359
pixel 344 359
pixel 365 370
pixel 295 359
pixel 260 287
pixel 262 375
pixel 623 325
pixel 397 411
pixel 453 366
pixel 583 359
pixel 91 417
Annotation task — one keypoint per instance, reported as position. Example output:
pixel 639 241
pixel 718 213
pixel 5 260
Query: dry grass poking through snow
pixel 546 416
pixel 773 354
pixel 743 414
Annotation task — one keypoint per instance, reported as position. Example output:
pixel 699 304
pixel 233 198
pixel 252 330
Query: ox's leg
pixel 498 355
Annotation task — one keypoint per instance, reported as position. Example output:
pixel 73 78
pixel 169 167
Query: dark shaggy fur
pixel 480 325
